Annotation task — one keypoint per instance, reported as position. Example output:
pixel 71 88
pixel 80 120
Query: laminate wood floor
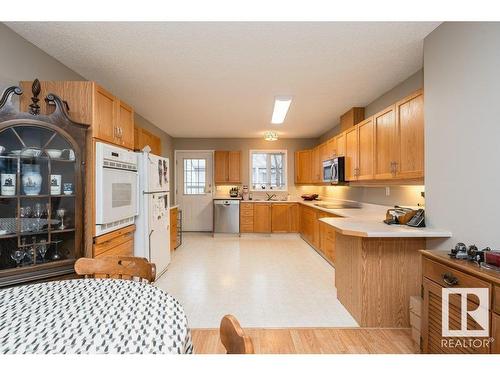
pixel 313 341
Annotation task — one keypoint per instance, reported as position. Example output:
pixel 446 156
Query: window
pixel 194 176
pixel 268 170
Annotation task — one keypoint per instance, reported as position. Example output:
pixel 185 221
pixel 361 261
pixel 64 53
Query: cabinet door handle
pixel 449 279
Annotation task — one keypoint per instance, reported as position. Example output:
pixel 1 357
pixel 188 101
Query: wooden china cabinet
pixel 42 171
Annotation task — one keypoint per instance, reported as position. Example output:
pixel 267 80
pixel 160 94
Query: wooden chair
pixel 117 267
pixel 233 337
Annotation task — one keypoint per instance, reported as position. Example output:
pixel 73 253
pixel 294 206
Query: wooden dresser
pixel 440 271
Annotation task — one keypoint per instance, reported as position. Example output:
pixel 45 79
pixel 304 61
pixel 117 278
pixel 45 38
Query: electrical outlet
pixel 387 191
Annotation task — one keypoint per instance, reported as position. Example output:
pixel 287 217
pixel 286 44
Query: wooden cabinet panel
pixel 115 243
pixel 323 152
pixel 340 141
pixel 125 125
pixel 234 166
pixel 143 138
pixel 174 212
pixel 351 154
pixel 385 143
pixel 331 147
pixel 351 118
pixel 303 172
pixel 284 217
pixel 104 116
pixel 316 165
pixel 262 217
pixel 410 136
pixel 496 299
pixel 495 333
pixel 221 165
pixel 366 148
pixel 227 167
pixel 327 241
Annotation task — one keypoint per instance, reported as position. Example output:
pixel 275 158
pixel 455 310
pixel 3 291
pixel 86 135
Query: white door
pixel 194 173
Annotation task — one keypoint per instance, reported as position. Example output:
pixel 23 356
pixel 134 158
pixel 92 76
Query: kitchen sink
pixel 332 206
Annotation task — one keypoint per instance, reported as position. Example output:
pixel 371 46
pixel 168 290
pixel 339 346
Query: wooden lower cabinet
pixel 307 224
pixel 174 214
pixel 438 271
pixel 284 217
pixel 262 217
pixel 327 241
pixel 117 243
pixel 312 230
pixel 246 217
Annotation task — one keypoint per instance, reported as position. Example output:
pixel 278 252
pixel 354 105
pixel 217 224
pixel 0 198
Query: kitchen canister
pixel 31 179
pixel 55 184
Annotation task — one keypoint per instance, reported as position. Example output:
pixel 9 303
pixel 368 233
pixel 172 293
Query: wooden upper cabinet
pixel 143 138
pixel 384 124
pixel 303 172
pixel 234 162
pixel 340 141
pixel 366 150
pixel 316 165
pixel 331 147
pixel 351 154
pixel 351 118
pixel 262 218
pixel 410 136
pixel 323 152
pixel 227 167
pixel 105 116
pixel 125 125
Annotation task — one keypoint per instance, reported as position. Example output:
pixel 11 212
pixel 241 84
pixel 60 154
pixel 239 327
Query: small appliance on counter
pixel 485 258
pixel 233 193
pixel 405 216
pixel 309 197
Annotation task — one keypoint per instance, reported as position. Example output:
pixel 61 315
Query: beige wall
pixel 245 145
pixel 462 111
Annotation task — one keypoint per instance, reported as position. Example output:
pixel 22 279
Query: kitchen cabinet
pixel 366 149
pixel 246 217
pixel 310 225
pixel 117 243
pixel 409 161
pixel 331 148
pixel 384 124
pixel 174 215
pixel 352 117
pixel 327 241
pixel 495 333
pixel 227 167
pixel 351 154
pixel 303 170
pixel 143 138
pixel 340 142
pixel 316 166
pixel 111 119
pixel 323 152
pixel 284 217
pixel 262 217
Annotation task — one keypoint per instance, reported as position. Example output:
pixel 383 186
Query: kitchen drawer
pixel 496 299
pixel 436 272
pixel 246 220
pixel 246 212
pixel 246 228
pixel 108 241
pixel 125 249
pixel 246 206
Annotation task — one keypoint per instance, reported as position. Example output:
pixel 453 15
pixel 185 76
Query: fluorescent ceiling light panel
pixel 281 105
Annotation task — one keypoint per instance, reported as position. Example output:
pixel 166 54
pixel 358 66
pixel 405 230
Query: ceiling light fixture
pixel 271 136
pixel 281 105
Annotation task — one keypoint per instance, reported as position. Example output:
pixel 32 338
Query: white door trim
pixel 175 170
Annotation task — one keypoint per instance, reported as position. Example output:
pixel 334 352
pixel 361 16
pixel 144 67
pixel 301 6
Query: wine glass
pixel 60 213
pixel 42 249
pixel 37 213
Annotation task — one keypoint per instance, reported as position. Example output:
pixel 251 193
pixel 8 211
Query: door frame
pixel 175 170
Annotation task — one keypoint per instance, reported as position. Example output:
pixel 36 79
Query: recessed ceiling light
pixel 271 136
pixel 281 105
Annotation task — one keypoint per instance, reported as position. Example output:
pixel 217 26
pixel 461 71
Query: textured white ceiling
pixel 219 79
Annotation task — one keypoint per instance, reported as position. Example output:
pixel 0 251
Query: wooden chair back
pixel 116 267
pixel 233 337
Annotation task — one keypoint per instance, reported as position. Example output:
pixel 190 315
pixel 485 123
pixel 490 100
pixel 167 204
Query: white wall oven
pixel 116 188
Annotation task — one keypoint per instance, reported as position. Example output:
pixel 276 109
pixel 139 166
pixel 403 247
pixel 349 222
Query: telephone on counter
pixel 418 220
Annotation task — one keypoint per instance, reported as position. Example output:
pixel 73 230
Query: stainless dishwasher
pixel 226 216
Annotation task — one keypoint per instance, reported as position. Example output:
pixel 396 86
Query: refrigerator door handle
pixel 149 243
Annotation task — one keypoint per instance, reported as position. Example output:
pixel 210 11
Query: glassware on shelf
pixel 42 249
pixel 37 213
pixel 18 255
pixel 60 213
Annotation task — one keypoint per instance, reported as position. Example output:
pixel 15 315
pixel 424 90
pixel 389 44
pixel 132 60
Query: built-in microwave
pixel 333 170
pixel 116 188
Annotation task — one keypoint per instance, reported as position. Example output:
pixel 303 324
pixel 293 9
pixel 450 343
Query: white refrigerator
pixel 152 236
